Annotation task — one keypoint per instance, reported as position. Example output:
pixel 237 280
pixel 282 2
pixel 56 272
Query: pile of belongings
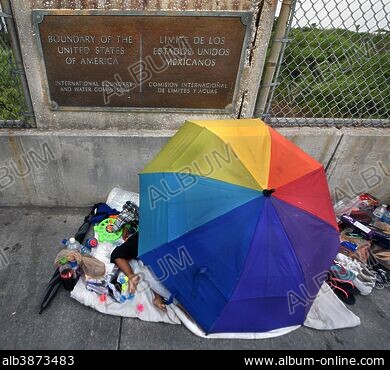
pixel 364 257
pixel 84 264
pixel 103 291
pixel 114 223
pixel 99 284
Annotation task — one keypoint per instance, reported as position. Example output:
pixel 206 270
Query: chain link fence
pixel 14 111
pixel 334 65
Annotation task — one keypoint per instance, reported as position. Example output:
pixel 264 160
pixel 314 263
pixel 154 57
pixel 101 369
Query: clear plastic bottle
pixel 380 212
pixel 75 267
pixel 86 250
pixel 72 243
pixel 386 217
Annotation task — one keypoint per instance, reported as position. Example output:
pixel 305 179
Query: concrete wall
pixel 78 168
pixel 361 163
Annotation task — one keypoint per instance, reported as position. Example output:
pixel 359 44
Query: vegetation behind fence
pixel 336 65
pixel 13 109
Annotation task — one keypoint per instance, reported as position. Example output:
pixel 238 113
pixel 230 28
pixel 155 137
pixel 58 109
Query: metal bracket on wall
pixel 282 40
pixel 270 84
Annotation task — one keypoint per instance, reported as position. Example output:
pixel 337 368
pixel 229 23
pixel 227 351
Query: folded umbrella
pixel 51 290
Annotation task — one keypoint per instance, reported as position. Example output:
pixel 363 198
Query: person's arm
pixel 124 266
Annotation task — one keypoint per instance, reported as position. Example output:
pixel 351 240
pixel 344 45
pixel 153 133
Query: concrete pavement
pixel 29 241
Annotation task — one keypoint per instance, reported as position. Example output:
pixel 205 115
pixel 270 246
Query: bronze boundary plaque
pixel 128 61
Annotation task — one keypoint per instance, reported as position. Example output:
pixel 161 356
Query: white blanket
pixel 140 306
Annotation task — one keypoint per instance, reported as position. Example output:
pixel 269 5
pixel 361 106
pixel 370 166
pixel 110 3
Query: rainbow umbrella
pixel 237 222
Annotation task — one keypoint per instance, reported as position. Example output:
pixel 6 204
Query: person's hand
pixel 133 282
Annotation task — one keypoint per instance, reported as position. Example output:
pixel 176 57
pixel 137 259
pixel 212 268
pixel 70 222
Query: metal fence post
pixel 277 42
pixel 14 40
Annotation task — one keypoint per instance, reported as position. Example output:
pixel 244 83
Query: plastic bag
pixel 118 197
pixel 90 266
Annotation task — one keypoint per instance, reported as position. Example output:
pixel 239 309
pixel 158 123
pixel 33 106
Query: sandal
pixel 342 294
pixel 347 285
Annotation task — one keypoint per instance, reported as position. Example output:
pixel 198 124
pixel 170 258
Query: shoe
pixel 359 269
pixel 339 271
pixel 382 278
pixel 364 287
pixel 342 294
pixel 347 285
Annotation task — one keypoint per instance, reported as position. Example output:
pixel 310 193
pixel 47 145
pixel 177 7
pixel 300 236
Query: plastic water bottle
pixel 75 267
pixel 91 243
pixel 72 243
pixel 86 250
pixel 386 217
pixel 88 245
pixel 380 212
